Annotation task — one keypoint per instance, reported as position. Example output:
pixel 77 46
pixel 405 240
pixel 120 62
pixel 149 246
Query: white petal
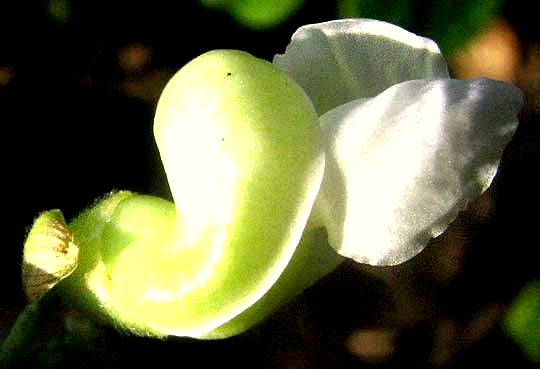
pixel 401 166
pixel 340 61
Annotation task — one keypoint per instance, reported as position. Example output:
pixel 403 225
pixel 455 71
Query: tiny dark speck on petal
pixel 229 74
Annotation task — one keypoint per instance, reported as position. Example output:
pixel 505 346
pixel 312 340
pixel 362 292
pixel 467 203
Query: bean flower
pixel 354 143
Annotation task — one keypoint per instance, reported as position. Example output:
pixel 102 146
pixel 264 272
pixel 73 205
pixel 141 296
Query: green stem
pixel 23 340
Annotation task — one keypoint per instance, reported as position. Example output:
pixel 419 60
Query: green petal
pixel 242 150
pixel 312 260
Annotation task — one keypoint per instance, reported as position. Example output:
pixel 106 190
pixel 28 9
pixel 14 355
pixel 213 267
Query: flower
pixel 404 147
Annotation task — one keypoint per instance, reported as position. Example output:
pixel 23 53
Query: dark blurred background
pixel 79 81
